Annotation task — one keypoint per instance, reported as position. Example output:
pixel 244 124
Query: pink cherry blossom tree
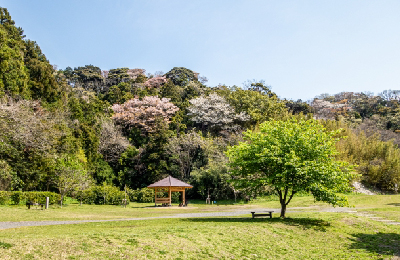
pixel 143 114
pixel 155 82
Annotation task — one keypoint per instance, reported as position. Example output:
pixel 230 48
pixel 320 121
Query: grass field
pixel 385 205
pixel 73 211
pixel 303 235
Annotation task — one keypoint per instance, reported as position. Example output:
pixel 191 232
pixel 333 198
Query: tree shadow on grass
pixel 394 204
pixel 381 243
pixel 304 223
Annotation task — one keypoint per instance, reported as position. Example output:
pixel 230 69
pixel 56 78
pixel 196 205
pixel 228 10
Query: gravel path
pixel 7 225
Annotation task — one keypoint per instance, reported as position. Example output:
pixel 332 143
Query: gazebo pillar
pixel 169 195
pixel 183 197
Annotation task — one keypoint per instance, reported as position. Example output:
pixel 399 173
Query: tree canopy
pixel 290 157
pixel 181 76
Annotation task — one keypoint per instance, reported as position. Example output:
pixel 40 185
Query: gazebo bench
pixel 254 214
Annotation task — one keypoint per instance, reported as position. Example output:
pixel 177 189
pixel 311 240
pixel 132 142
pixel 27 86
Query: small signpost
pixel 208 200
pixel 124 201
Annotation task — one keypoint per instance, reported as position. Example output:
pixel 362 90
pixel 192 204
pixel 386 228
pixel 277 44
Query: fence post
pixel 47 202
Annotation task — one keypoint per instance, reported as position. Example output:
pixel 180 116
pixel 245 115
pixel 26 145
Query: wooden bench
pixel 254 214
pixel 30 203
pixel 163 201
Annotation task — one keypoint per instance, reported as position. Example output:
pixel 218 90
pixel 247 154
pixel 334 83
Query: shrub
pixel 4 197
pixel 105 194
pixel 40 197
pixel 20 197
pixel 175 197
pixel 17 197
pixel 378 162
pixel 141 195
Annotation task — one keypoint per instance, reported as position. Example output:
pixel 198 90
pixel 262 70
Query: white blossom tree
pixel 112 142
pixel 327 110
pixel 134 73
pixel 27 123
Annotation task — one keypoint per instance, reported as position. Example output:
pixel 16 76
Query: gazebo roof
pixel 170 182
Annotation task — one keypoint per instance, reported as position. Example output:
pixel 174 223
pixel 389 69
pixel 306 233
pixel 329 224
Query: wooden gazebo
pixel 169 185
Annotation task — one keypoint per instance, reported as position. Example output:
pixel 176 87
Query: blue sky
pixel 300 48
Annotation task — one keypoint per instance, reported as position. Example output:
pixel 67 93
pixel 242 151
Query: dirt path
pixel 8 225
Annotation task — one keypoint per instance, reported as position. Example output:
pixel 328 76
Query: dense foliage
pixel 378 162
pixel 102 195
pixel 75 131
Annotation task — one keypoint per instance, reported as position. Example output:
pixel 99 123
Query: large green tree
pixel 42 83
pixel 70 174
pixel 181 76
pixel 88 77
pixel 290 157
pixel 13 73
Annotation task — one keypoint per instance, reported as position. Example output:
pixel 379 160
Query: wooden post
pixel 183 198
pixel 169 194
pixel 125 196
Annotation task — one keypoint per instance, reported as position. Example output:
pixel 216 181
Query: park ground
pixel 310 231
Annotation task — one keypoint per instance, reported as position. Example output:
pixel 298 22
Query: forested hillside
pixel 124 127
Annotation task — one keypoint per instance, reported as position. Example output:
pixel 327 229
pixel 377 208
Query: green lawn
pixel 304 235
pixel 99 212
pixel 386 205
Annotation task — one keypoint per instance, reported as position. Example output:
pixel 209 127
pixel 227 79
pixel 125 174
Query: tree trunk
pixel 283 209
pixel 282 200
pixel 62 198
